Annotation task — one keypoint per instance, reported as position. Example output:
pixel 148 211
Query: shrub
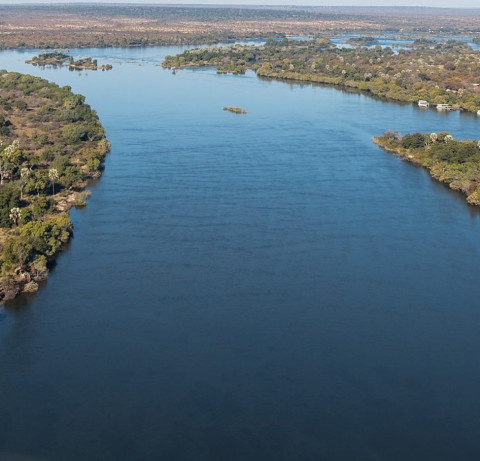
pixel 413 141
pixel 9 198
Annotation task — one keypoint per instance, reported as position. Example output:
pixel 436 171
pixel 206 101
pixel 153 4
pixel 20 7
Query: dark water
pixel 262 287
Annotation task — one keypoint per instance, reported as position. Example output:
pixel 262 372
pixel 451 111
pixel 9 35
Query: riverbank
pixel 52 146
pixel 445 74
pixel 220 253
pixel 450 161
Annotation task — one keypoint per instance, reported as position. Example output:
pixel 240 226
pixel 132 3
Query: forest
pixel 51 145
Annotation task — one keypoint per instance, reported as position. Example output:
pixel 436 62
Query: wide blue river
pixel 268 286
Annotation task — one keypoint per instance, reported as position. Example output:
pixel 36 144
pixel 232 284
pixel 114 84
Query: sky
pixel 432 3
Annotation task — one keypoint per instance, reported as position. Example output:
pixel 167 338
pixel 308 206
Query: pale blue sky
pixel 433 3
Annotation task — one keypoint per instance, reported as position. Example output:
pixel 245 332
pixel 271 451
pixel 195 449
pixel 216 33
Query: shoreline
pixel 22 281
pixel 52 148
pixel 331 82
pixel 441 172
pixel 416 74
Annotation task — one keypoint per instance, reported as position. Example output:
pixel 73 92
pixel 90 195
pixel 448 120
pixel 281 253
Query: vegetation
pixel 58 59
pixel 77 25
pixel 447 74
pixel 362 41
pixel 87 64
pixel 235 110
pixel 54 145
pixel 454 162
pixel 52 58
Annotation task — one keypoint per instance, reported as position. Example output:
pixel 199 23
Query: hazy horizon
pixel 353 3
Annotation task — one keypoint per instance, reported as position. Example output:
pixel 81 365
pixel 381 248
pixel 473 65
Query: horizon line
pixel 228 5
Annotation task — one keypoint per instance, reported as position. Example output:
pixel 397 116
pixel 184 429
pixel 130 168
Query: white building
pixel 444 107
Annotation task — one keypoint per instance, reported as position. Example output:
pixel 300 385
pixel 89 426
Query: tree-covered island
pixel 442 73
pixel 59 59
pixel 362 41
pixel 50 58
pixel 87 64
pixel 51 145
pixel 235 110
pixel 451 161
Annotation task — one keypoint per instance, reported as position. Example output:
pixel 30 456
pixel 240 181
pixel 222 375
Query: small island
pixel 362 41
pixel 60 59
pixel 235 110
pixel 51 58
pixel 87 64
pixel 451 161
pixel 51 146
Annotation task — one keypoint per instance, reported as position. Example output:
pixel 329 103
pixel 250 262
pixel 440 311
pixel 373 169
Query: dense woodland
pixel 51 145
pixel 451 161
pixel 441 73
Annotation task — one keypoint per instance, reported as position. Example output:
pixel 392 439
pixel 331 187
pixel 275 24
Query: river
pixel 268 286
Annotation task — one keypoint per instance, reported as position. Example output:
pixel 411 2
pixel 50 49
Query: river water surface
pixel 269 286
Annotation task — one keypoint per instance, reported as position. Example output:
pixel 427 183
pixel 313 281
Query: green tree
pixel 413 141
pixel 9 198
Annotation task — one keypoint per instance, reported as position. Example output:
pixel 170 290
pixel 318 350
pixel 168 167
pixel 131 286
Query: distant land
pixel 101 25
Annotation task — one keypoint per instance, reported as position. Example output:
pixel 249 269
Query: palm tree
pixel 24 175
pixel 53 176
pixel 8 158
pixel 15 215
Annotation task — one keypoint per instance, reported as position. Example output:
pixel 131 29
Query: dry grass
pixel 102 25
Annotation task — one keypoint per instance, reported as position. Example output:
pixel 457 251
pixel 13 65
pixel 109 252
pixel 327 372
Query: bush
pixel 9 198
pixel 70 176
pixel 47 237
pixel 74 134
pixel 47 155
pixel 37 183
pixel 4 126
pixel 41 205
pixel 413 141
pixel 40 139
pixel 17 251
pixel 20 104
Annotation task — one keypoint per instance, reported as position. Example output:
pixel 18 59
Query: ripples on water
pixel 266 286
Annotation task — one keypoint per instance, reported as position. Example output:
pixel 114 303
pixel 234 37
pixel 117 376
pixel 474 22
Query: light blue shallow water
pixel 266 286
